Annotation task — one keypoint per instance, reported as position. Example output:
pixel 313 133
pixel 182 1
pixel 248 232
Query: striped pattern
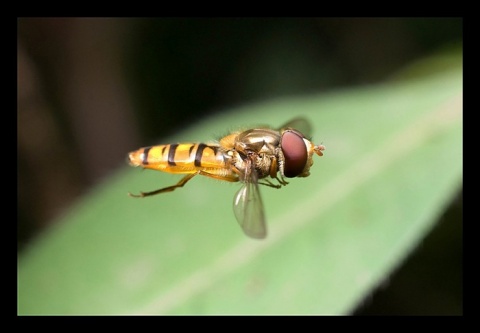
pixel 179 157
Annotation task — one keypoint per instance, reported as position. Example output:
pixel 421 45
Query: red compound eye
pixel 295 153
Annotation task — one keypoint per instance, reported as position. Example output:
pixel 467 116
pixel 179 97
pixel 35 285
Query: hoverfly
pixel 254 156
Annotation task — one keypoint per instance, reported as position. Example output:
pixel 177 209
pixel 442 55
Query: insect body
pixel 252 157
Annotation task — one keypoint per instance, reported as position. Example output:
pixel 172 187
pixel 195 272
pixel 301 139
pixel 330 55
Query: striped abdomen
pixel 179 158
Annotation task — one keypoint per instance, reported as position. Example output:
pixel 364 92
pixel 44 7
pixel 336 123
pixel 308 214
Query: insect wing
pixel 300 124
pixel 248 209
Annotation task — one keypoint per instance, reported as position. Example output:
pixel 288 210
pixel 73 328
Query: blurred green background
pixel 92 89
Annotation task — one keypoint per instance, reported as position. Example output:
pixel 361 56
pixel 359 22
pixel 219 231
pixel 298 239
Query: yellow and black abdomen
pixel 179 158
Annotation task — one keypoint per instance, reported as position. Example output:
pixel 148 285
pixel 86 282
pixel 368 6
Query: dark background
pixel 91 89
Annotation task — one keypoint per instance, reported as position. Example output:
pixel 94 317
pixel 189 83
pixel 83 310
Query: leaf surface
pixel 393 160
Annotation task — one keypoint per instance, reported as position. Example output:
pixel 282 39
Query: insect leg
pixel 229 177
pixel 269 183
pixel 182 182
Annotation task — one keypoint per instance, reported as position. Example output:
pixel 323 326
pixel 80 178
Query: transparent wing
pixel 300 124
pixel 248 209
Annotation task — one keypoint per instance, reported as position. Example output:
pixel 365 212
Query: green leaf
pixel 393 160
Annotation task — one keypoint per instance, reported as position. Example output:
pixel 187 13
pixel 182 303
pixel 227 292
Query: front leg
pixel 274 168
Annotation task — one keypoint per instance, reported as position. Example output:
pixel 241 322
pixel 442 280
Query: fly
pixel 255 156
